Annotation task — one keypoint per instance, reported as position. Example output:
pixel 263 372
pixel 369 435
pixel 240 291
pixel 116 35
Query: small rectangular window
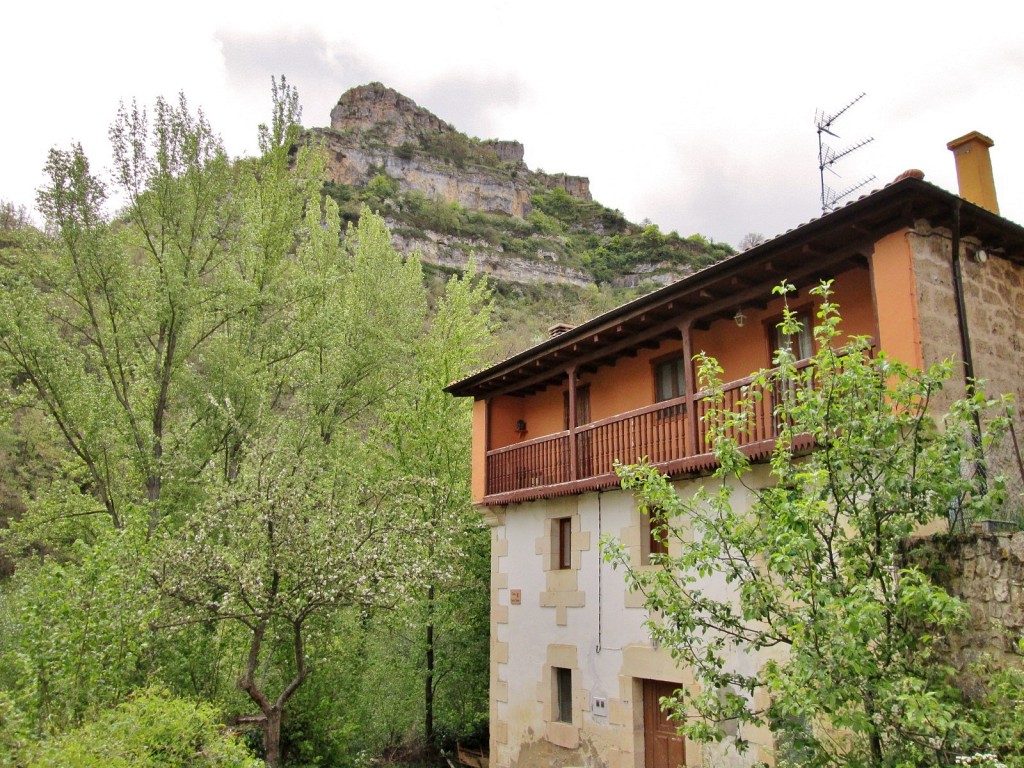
pixel 563 695
pixel 563 539
pixel 669 379
pixel 657 543
pixel 801 343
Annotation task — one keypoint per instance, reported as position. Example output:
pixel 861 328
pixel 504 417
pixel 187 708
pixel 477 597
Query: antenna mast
pixel 827 157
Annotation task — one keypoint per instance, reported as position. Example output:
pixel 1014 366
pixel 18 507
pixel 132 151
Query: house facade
pixel 575 679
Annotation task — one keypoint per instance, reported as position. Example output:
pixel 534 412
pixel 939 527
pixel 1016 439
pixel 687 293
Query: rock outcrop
pixel 377 132
pixel 392 118
pixel 475 188
pixel 374 129
pixel 455 253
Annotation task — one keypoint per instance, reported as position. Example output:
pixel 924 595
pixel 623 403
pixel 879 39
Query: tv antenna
pixel 827 157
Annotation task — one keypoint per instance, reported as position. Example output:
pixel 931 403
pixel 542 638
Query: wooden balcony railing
pixel 661 432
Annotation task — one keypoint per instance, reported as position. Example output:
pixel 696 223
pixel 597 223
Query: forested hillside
pixel 233 490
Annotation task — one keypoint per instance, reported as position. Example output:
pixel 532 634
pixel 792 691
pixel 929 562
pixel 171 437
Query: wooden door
pixel 663 746
pixel 584 448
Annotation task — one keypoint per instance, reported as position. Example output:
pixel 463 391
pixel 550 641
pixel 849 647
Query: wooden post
pixel 690 449
pixel 572 422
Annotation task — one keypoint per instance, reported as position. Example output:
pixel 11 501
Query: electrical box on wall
pixel 599 706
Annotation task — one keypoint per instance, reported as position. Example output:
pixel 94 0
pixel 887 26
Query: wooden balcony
pixel 663 433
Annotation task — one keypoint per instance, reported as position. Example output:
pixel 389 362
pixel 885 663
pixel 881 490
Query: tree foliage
pixel 222 376
pixel 429 436
pixel 151 730
pixel 790 598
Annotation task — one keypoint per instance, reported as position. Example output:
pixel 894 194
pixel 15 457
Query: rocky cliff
pixel 451 196
pixel 374 129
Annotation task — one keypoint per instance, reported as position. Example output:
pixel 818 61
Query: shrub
pixel 152 729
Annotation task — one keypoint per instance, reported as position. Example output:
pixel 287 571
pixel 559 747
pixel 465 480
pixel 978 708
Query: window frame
pixel 677 361
pixel 774 338
pixel 654 544
pixel 562 711
pixel 562 540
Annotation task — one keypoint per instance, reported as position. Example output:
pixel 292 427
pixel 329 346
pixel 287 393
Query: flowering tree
pixel 304 528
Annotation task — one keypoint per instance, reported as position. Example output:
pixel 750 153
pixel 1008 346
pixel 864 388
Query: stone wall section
pixel 986 571
pixel 994 299
pixel 499 650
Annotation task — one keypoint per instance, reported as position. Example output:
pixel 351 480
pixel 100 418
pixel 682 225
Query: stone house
pixel 574 677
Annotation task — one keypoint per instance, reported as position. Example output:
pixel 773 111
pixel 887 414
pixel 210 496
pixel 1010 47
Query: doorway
pixel 663 746
pixel 584 440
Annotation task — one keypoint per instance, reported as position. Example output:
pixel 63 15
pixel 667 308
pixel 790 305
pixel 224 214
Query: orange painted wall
pixel 895 288
pixel 629 383
pixel 741 351
pixel 542 413
pixel 545 412
pixel 504 413
pixel 478 476
pixel 856 305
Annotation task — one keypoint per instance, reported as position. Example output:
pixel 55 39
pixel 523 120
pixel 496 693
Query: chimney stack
pixel 558 329
pixel 974 169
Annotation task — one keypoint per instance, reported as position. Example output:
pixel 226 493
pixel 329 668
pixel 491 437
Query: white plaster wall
pixel 612 647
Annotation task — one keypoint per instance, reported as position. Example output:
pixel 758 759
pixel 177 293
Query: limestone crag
pixel 394 118
pixel 576 186
pixel 384 149
pixel 507 151
pixel 375 129
pixel 475 188
pixel 455 253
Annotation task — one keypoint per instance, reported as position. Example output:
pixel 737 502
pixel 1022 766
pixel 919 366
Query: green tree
pixel 101 328
pixel 302 530
pixel 218 369
pixel 809 580
pixel 429 437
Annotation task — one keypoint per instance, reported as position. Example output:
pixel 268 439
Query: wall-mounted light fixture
pixel 740 318
pixel 520 426
pixel 980 256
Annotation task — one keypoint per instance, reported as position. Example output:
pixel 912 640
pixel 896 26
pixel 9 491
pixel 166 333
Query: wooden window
pixel 653 542
pixel 801 343
pixel 563 543
pixel 669 378
pixel 657 541
pixel 563 694
pixel 582 406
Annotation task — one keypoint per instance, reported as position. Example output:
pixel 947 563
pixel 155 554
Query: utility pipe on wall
pixel 965 341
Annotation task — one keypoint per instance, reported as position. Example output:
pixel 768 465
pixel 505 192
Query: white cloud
pixel 698 117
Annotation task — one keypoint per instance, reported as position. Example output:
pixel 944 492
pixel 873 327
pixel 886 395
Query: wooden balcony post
pixel 572 422
pixel 690 449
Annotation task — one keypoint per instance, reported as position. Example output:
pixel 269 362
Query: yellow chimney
pixel 974 169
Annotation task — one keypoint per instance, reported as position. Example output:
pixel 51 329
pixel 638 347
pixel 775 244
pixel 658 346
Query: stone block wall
pixel 986 571
pixel 994 299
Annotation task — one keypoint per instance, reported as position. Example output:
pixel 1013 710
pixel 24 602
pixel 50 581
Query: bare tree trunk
pixel 272 737
pixel 428 698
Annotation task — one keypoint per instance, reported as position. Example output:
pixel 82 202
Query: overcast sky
pixel 698 118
